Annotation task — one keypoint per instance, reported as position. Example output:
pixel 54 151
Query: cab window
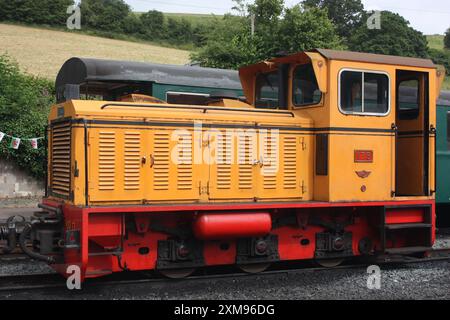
pixel 305 88
pixel 267 90
pixel 364 93
pixel 408 95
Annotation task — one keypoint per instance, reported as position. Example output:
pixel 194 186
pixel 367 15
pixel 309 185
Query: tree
pixel 441 57
pixel 179 31
pixel 153 25
pixel 447 39
pixel 396 37
pixel 50 12
pixel 132 25
pixel 304 30
pixel 345 14
pixel 106 15
pixel 230 43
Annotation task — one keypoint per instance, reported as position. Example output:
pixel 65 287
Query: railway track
pixel 44 281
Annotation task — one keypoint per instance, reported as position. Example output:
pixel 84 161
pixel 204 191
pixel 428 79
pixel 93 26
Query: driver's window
pixel 267 90
pixel 305 88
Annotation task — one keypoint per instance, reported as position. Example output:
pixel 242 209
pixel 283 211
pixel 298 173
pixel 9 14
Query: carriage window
pixel 267 90
pixel 408 99
pixel 306 90
pixel 187 98
pixel 364 93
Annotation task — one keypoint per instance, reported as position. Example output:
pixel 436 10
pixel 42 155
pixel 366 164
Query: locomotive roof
pixel 376 58
pixel 79 71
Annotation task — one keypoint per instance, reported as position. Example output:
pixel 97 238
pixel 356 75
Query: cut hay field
pixel 42 52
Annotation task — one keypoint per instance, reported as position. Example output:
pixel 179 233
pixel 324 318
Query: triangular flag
pixel 2 135
pixel 34 143
pixel 15 143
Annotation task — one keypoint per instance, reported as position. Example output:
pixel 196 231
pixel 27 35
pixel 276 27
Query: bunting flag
pixel 34 143
pixel 15 143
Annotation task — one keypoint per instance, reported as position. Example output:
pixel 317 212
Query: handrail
pixel 205 109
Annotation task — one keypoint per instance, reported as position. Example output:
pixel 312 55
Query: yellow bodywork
pixel 130 146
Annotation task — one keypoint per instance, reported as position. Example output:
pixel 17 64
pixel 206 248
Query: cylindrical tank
pixel 231 225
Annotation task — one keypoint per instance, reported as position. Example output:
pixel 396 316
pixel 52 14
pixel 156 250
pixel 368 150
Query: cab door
pixel 413 136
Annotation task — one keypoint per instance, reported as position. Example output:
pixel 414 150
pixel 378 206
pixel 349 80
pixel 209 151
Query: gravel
pixel 412 281
pixel 23 267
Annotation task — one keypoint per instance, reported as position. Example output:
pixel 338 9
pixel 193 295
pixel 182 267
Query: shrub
pixel 24 107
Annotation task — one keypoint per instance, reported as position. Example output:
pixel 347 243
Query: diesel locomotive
pixel 328 155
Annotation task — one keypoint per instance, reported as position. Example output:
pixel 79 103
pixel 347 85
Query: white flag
pixel 34 143
pixel 15 143
pixel 2 135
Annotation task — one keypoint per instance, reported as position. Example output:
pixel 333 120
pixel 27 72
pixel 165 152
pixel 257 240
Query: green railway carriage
pixel 443 159
pixel 110 80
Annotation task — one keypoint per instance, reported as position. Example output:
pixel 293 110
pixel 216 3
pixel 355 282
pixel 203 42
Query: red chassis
pixel 103 240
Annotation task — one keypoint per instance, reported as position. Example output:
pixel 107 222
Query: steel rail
pixel 17 283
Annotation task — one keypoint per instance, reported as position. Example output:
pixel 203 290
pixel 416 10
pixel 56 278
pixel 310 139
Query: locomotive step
pixel 407 250
pixel 407 226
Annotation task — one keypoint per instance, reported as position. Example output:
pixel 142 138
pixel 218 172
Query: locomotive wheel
pixel 254 268
pixel 177 273
pixel 330 263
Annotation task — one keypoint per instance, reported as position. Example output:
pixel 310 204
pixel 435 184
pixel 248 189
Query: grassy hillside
pixel 42 51
pixel 436 41
pixel 193 18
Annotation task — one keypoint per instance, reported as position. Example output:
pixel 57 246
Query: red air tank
pixel 230 225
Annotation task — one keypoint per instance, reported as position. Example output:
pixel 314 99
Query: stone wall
pixel 14 183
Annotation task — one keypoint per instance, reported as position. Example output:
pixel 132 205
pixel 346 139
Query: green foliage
pixel 24 107
pixel 153 25
pixel 106 15
pixel 345 14
pixel 303 30
pixel 447 39
pixel 436 41
pixel 49 12
pixel 441 57
pixel 396 37
pixel 230 43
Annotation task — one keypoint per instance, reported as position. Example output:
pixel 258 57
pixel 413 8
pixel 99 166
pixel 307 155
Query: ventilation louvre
pixel 132 165
pixel 161 166
pixel 61 159
pixel 106 161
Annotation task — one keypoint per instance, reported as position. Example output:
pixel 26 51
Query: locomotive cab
pixel 374 119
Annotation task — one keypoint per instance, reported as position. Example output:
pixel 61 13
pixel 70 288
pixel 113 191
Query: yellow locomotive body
pixel 232 151
pixel 329 147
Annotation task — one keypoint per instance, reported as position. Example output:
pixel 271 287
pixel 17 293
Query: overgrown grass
pixel 194 18
pixel 436 41
pixel 104 34
pixel 41 51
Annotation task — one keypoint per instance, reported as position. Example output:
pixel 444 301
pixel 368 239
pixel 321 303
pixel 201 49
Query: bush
pixel 447 39
pixel 49 12
pixel 105 15
pixel 230 44
pixel 396 37
pixel 24 107
pixel 441 57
